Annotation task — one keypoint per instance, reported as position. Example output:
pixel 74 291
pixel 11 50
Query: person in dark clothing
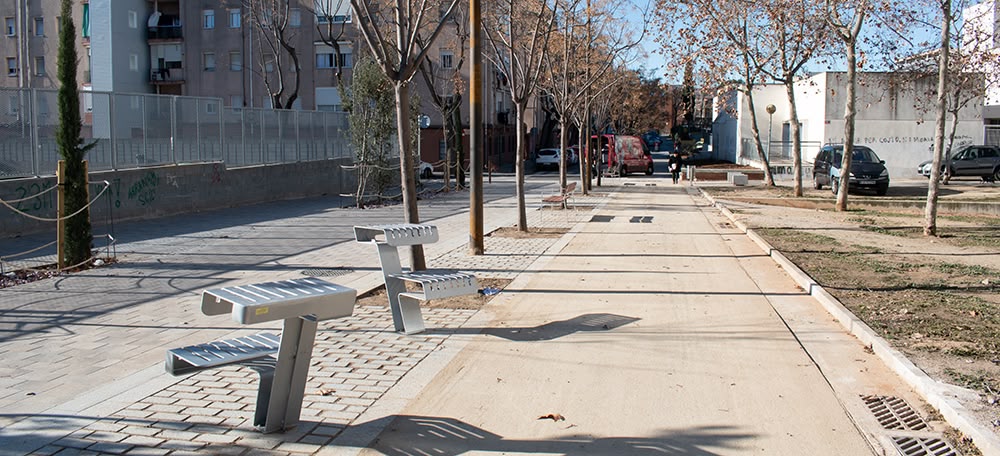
pixel 675 167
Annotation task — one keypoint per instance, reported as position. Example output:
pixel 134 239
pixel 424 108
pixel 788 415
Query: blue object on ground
pixel 490 291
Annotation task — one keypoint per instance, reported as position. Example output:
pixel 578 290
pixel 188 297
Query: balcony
pixel 165 32
pixel 167 76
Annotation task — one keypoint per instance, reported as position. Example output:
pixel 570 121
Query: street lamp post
pixel 770 116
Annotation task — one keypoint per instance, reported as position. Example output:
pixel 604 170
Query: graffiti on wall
pixel 144 189
pixel 41 202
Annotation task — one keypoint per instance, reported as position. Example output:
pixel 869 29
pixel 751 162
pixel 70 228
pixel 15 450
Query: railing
pixel 169 32
pixel 166 75
pixel 992 135
pixel 777 151
pixel 137 130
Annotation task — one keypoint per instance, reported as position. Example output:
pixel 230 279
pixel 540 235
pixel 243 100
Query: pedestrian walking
pixel 675 167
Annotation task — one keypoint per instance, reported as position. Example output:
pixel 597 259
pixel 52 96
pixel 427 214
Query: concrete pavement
pixel 654 327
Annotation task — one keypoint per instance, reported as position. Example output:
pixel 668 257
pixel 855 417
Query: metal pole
pixel 767 158
pixel 476 131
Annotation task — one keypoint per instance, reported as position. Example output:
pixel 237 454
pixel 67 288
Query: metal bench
pixel 301 304
pixel 434 284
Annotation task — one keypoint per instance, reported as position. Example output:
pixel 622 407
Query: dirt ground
pixel 933 298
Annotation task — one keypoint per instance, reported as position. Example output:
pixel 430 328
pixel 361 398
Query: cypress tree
pixel 77 236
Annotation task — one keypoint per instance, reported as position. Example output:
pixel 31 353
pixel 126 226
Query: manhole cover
pixel 602 218
pixel 641 219
pixel 894 413
pixel 326 272
pixel 911 446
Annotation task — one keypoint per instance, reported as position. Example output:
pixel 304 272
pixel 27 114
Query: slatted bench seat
pixel 281 361
pixel 563 197
pixel 434 284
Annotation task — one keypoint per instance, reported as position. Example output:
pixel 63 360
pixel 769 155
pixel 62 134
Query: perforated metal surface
pixel 602 218
pixel 326 272
pixel 909 446
pixel 894 413
pixel 641 219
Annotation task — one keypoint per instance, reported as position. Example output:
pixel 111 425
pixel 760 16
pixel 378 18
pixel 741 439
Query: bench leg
pixel 410 320
pixel 289 385
pixel 265 369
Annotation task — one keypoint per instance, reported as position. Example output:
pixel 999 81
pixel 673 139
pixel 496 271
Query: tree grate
pixel 911 446
pixel 641 219
pixel 602 218
pixel 894 413
pixel 326 272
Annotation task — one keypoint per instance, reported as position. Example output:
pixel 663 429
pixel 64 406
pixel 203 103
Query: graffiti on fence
pixel 144 189
pixel 41 202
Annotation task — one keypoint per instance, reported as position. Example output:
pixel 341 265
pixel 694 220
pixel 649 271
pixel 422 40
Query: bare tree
pixel 391 30
pixel 845 19
pixel 275 46
pixel 518 32
pixel 447 85
pixel 930 213
pixel 332 21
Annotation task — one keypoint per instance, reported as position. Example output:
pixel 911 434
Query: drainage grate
pixel 326 272
pixel 602 218
pixel 651 185
pixel 894 413
pixel 911 446
pixel 629 184
pixel 641 219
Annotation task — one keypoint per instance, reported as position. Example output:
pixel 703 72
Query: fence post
pixel 36 146
pixel 60 208
pixel 173 128
pixel 145 129
pixel 298 138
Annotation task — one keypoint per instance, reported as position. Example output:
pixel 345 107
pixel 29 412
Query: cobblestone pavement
pixel 73 344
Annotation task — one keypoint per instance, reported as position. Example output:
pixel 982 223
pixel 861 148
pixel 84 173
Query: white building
pixel 981 37
pixel 895 118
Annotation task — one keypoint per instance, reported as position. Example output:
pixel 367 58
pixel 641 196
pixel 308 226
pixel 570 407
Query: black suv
pixel 867 170
pixel 982 161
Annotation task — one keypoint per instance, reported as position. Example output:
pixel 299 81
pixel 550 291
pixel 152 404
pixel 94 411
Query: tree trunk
pixel 458 144
pixel 933 186
pixel 768 177
pixel 849 113
pixel 564 149
pixel 520 131
pixel 796 134
pixel 407 178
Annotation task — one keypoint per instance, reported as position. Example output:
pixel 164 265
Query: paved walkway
pixel 653 328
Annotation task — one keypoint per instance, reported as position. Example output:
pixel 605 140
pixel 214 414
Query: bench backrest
pixel 397 235
pixel 570 188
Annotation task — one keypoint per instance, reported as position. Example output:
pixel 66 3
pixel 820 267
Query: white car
pixel 547 158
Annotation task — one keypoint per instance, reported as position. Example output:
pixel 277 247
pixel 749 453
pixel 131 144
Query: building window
pixel 39 66
pixel 136 102
pixel 236 101
pixel 334 19
pixel 208 19
pixel 447 60
pixel 208 59
pixel 11 66
pixel 344 59
pixel 235 61
pixel 39 26
pixel 234 18
pixel 324 57
pixel 295 18
pixel 211 107
pixel 133 62
pixel 133 19
pixel 12 105
pixel 11 28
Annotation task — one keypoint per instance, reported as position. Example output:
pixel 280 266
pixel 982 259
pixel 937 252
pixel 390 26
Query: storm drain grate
pixel 912 446
pixel 602 218
pixel 326 272
pixel 894 413
pixel 651 185
pixel 629 184
pixel 641 219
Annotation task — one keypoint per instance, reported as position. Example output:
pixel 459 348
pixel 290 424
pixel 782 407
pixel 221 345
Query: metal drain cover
pixel 894 413
pixel 326 272
pixel 602 218
pixel 641 219
pixel 910 446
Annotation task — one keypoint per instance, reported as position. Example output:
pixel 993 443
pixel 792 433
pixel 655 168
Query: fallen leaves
pixel 552 416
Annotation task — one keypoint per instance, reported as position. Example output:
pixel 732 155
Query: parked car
pixel 868 172
pixel 547 158
pixel 982 161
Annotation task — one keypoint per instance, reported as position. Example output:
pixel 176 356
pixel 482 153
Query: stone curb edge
pixel 940 395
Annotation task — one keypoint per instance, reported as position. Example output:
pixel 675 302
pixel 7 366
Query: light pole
pixel 422 122
pixel 770 116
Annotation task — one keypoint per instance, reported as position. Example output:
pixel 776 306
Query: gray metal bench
pixel 434 284
pixel 301 304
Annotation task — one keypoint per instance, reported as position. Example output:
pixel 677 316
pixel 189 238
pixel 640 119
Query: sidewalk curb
pixel 942 396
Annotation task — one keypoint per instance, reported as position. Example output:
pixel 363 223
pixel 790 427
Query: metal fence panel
pixel 130 130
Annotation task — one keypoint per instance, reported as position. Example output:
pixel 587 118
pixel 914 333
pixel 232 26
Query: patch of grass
pixel 803 239
pixel 965 270
pixel 978 380
pixel 985 220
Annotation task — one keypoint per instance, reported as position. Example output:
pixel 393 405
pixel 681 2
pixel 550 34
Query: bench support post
pixel 289 384
pixel 388 257
pixel 412 321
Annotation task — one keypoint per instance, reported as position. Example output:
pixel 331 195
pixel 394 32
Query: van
pixel 624 154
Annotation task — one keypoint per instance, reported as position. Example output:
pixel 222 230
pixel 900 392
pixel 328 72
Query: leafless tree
pixel 275 45
pixel 391 29
pixel 845 18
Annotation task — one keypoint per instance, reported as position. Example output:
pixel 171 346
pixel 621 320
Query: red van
pixel 626 154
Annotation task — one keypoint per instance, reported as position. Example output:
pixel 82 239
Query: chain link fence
pixel 137 130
